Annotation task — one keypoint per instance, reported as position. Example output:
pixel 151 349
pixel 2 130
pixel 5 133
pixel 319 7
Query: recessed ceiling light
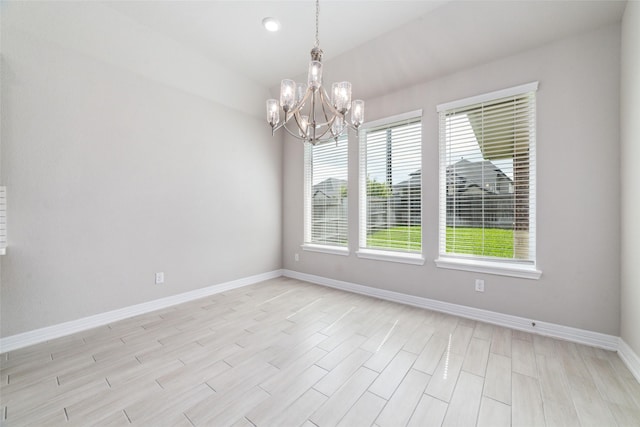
pixel 271 24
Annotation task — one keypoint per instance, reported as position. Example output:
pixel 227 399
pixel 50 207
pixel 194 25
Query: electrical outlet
pixel 296 257
pixel 479 285
pixel 159 278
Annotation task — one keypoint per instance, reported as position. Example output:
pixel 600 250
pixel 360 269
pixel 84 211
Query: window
pixel 325 196
pixel 390 189
pixel 487 183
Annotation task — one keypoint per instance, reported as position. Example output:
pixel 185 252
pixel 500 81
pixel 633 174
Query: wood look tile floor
pixel 289 353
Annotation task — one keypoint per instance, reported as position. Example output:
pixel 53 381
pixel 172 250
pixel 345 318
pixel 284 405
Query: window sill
pixel 325 249
pixel 490 267
pixel 405 258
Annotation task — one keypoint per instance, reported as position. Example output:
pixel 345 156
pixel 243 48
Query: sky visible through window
pixel 330 161
pixel 403 158
pixel 471 151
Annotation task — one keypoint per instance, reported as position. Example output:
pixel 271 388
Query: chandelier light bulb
pixel 273 112
pixel 304 126
pixel 315 74
pixel 341 96
pixel 357 112
pixel 287 94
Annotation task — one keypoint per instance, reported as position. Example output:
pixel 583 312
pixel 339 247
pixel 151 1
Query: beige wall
pixel 578 190
pixel 116 169
pixel 630 177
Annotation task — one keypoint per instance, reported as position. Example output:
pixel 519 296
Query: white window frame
pixel 363 251
pixel 514 268
pixel 308 244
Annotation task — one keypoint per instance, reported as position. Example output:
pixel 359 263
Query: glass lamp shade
pixel 315 74
pixel 301 90
pixel 357 112
pixel 287 94
pixel 341 96
pixel 337 126
pixel 273 112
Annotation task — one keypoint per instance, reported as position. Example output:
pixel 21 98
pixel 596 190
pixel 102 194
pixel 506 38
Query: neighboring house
pixel 479 194
pixel 330 188
pixel 406 200
pixel 329 219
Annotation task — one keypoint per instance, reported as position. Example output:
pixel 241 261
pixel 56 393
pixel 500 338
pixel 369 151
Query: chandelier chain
pixel 317 20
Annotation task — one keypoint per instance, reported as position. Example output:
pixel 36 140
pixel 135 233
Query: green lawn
pixel 497 242
pixel 407 238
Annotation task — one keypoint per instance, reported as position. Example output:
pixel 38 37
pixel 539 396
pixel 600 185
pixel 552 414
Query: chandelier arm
pixel 324 140
pixel 326 125
pixel 335 113
pixel 277 127
pixel 352 127
pixel 313 137
pixel 312 142
pixel 294 134
pixel 330 122
pixel 324 97
pixel 299 106
pixel 322 134
pixel 287 117
pixel 318 139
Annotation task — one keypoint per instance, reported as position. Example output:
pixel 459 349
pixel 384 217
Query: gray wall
pixel 630 178
pixel 121 154
pixel 578 190
pixel 115 169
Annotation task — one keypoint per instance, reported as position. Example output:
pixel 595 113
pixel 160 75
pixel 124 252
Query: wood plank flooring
pixel 288 353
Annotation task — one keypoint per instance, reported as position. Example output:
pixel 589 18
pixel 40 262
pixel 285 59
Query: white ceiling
pixel 378 45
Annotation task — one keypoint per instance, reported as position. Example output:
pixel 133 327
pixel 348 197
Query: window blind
pixel 326 178
pixel 487 177
pixel 391 184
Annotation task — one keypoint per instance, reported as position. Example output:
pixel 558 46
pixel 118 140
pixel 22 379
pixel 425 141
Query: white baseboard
pixel 56 331
pixel 581 336
pixel 595 339
pixel 630 358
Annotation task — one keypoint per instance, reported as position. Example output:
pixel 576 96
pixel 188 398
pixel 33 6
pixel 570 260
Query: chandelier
pixel 317 116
